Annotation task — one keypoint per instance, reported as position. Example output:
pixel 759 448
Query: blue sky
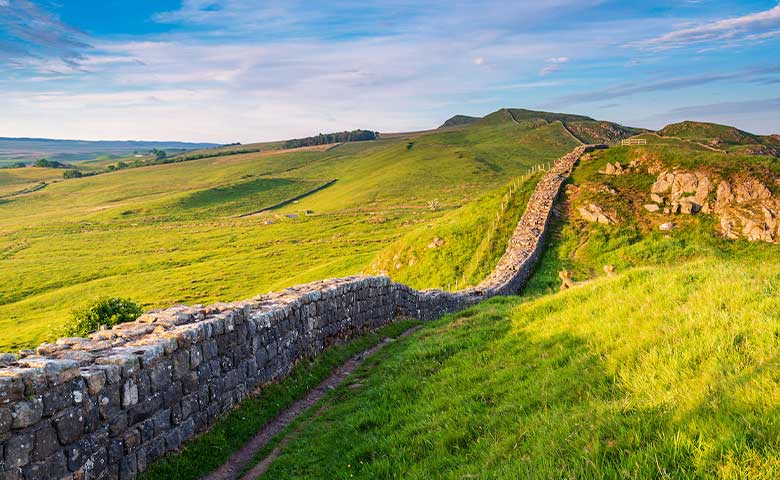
pixel 237 70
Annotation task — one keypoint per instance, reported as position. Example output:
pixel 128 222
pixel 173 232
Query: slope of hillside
pixel 584 129
pixel 459 120
pixel 663 369
pixel 659 372
pixel 724 137
pixel 167 234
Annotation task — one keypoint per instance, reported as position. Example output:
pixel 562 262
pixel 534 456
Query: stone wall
pixel 108 406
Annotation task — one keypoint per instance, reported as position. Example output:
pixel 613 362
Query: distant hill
pixel 585 129
pixel 77 150
pixel 459 120
pixel 724 137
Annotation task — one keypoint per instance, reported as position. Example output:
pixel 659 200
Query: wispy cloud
pixel 755 26
pixel 553 64
pixel 756 75
pixel 746 107
pixel 26 30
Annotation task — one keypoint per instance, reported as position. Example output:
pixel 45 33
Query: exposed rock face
pixel 744 205
pixel 687 192
pixel 747 210
pixel 595 214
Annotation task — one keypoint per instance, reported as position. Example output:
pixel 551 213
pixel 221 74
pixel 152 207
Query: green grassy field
pixel 661 372
pixel 167 234
pixel 666 370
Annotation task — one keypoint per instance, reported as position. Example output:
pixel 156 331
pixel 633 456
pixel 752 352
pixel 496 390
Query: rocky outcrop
pixel 109 405
pixel 744 206
pixel 747 209
pixel 680 192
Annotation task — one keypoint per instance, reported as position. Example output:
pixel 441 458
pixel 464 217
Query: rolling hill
pixel 724 137
pixel 30 149
pixel 662 365
pixel 168 234
pixel 659 361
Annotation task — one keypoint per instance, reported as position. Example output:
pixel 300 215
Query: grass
pixel 667 370
pixel 165 234
pixel 661 372
pixel 460 249
pixel 210 450
pixel 585 248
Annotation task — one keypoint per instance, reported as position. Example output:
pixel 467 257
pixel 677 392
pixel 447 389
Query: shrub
pixel 105 311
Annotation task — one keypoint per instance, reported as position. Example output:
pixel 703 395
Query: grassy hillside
pixel 665 370
pixel 461 248
pixel 724 137
pixel 662 372
pixel 584 248
pixel 581 128
pixel 459 120
pixel 168 234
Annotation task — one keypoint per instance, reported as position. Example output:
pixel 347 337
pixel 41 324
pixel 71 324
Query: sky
pixel 241 71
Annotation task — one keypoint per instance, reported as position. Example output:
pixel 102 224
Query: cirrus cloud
pixel 754 26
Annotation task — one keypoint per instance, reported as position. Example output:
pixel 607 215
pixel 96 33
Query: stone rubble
pixel 110 405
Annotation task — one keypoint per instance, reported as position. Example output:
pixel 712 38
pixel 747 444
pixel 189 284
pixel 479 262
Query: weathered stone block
pixel 45 442
pixel 26 412
pixel 70 425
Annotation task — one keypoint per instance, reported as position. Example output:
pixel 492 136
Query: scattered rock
pixel 666 227
pixel 436 243
pixel 594 213
pixel 566 281
pixel 652 207
pixel 609 270
pixel 657 198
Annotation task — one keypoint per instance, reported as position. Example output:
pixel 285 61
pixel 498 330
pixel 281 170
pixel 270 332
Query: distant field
pixel 168 234
pixel 30 149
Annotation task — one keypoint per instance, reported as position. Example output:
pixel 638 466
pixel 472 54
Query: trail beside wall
pixel 107 406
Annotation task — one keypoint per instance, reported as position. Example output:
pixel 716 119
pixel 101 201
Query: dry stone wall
pixel 108 406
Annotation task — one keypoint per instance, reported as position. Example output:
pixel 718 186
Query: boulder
pixel 684 183
pixel 657 198
pixel 566 281
pixel 689 206
pixel 663 183
pixel 703 189
pixel 666 227
pixel 652 207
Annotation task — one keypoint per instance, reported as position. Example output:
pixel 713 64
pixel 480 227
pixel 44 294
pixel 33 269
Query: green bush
pixel 72 174
pixel 105 311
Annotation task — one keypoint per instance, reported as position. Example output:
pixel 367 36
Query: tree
pixel 121 165
pixel 72 174
pixel 160 154
pixel 19 165
pixel 42 163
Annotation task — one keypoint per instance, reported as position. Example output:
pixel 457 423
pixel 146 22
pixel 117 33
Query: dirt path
pixel 234 465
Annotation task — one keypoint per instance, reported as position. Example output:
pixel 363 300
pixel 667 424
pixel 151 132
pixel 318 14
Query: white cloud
pixel 748 27
pixel 4 3
pixel 552 65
